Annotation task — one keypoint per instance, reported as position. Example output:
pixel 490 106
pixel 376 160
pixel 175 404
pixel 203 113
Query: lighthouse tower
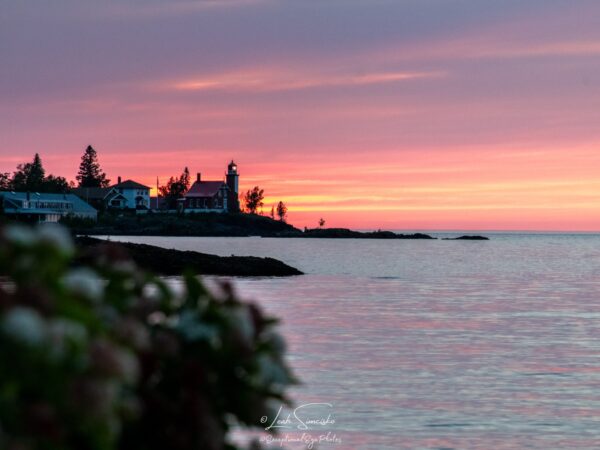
pixel 233 184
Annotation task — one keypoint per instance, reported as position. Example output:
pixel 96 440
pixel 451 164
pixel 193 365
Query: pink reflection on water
pixel 467 347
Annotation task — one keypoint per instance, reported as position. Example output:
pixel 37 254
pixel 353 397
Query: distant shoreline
pixel 346 234
pixel 227 225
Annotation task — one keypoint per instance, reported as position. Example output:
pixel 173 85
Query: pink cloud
pixel 269 81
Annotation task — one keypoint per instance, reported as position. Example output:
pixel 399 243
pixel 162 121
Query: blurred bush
pixel 104 356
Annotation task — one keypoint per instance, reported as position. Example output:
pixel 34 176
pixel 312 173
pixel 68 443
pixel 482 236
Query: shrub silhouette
pixel 106 357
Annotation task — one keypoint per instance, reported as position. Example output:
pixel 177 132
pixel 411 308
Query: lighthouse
pixel 233 184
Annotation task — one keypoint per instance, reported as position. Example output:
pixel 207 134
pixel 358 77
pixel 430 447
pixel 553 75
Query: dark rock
pixel 193 224
pixel 344 233
pixel 164 261
pixel 468 238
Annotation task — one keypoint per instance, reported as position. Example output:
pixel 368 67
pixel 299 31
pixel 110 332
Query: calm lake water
pixel 436 344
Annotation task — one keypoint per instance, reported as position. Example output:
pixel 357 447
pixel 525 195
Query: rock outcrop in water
pixel 344 233
pixel 164 261
pixel 468 238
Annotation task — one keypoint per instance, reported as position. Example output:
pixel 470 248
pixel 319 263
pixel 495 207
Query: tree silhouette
pixel 184 179
pixel 254 199
pixel 175 188
pixel 321 222
pixel 5 182
pixel 281 211
pixel 90 174
pixel 83 374
pixel 29 176
pixel 56 184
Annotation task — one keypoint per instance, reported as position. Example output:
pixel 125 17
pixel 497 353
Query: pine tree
pixel 29 176
pixel 184 179
pixel 37 172
pixel 90 174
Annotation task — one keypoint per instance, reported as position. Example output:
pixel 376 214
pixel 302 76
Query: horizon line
pixel 466 230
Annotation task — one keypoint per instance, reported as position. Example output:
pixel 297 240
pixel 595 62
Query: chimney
pixel 198 177
pixel 118 180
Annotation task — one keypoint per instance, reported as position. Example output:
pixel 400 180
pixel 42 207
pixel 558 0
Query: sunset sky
pixel 397 114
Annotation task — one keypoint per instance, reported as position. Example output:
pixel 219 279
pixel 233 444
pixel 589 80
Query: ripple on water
pixel 441 344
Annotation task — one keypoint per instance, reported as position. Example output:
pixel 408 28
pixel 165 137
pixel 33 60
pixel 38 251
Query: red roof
pixel 205 188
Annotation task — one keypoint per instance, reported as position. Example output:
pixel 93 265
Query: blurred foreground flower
pixel 103 358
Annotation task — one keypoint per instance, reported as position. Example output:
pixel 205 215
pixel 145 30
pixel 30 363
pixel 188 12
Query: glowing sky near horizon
pixel 405 114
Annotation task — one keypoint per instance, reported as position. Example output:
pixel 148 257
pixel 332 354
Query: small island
pixel 345 233
pixel 467 238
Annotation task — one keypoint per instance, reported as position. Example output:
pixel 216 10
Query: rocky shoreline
pixel 171 262
pixel 162 261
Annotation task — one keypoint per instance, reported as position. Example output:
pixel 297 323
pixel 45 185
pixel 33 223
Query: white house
pixel 101 198
pixel 137 196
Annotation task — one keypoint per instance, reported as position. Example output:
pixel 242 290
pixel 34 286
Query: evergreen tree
pixel 90 174
pixel 37 172
pixel 29 176
pixel 184 179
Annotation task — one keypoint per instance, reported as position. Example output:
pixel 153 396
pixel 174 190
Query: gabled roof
pixel 114 195
pixel 92 193
pixel 205 188
pixel 130 184
pixel 79 205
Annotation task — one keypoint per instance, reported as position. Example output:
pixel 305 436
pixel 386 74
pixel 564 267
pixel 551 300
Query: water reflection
pixel 431 345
